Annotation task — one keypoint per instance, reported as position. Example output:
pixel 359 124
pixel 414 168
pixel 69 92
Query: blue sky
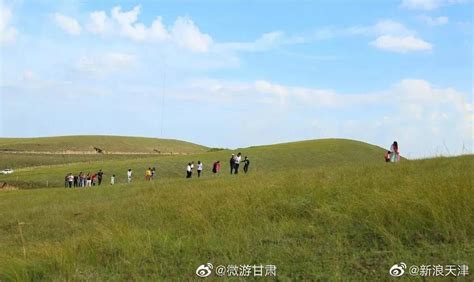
pixel 240 73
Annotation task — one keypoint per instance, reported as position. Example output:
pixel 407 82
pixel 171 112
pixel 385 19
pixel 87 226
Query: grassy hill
pixel 296 155
pixel 109 144
pixel 327 209
pixel 27 152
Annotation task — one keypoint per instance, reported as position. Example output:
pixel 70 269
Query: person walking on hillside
pixel 100 174
pixel 199 168
pixel 188 171
pixel 94 178
pixel 192 168
pixel 81 179
pixel 246 162
pixel 66 181
pixel 70 179
pixel 129 175
pixel 112 179
pixel 153 173
pixel 238 158
pixel 394 152
pixel 76 181
pixel 88 180
pixel 232 163
pixel 148 174
pixel 216 167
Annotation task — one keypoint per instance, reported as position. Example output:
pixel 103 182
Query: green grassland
pixel 318 210
pixel 297 155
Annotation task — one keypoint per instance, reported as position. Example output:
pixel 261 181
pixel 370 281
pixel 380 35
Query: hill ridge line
pixel 70 152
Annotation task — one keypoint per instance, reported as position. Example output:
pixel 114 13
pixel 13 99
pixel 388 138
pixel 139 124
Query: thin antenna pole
pixel 444 143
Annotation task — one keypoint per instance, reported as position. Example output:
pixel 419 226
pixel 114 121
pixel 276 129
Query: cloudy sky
pixel 240 73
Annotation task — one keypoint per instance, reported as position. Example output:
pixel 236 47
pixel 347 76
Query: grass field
pixel 297 155
pixel 318 210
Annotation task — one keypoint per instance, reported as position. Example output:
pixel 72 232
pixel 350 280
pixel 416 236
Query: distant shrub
pixel 216 149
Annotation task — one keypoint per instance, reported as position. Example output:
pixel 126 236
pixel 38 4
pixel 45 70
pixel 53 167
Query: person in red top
pixel 216 167
pixel 93 177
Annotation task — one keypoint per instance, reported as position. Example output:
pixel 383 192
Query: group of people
pixel 150 174
pixel 190 169
pixel 84 180
pixel 95 179
pixel 393 155
pixel 235 161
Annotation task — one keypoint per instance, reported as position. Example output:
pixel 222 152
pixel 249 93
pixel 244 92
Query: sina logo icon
pixel 204 270
pixel 397 270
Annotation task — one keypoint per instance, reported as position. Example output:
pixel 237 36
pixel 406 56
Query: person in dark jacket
pixel 232 163
pixel 246 162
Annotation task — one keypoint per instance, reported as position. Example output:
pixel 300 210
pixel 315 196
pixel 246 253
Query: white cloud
pixel 428 5
pixel 391 27
pixel 187 35
pixel 29 75
pixel 127 23
pixel 7 33
pixel 401 44
pixel 390 35
pixel 119 60
pixel 32 81
pixel 102 65
pixel 158 30
pixel 438 21
pixel 265 42
pixel 99 23
pixel 269 93
pixel 382 27
pixel 421 4
pixel 183 33
pixel 421 116
pixel 68 24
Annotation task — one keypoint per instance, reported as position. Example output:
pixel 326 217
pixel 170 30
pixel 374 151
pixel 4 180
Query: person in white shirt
pixel 70 179
pixel 189 171
pixel 89 180
pixel 129 175
pixel 192 168
pixel 112 179
pixel 238 158
pixel 199 168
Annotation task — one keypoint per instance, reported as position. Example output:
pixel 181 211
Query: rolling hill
pixel 108 145
pixel 28 152
pixel 295 155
